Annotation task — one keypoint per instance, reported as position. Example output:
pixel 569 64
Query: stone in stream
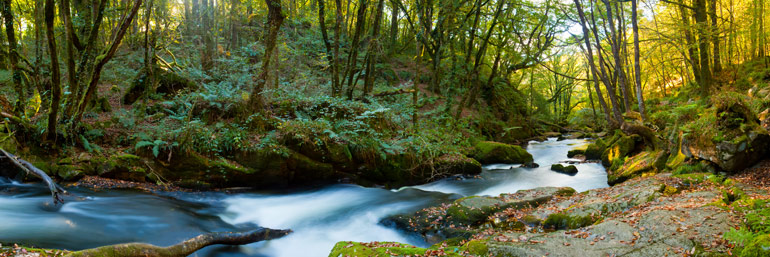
pixel 488 152
pixel 569 169
pixel 575 152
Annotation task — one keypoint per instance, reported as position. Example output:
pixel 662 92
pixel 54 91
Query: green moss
pixel 575 152
pixel 566 221
pixel 487 152
pixel 594 151
pixel 477 247
pixel 381 249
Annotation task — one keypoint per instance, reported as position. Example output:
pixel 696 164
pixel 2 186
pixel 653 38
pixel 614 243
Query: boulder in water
pixel 569 169
pixel 488 152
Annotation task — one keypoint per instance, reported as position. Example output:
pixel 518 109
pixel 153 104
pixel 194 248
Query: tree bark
pixel 274 20
pixel 56 190
pixel 69 31
pixel 703 46
pixel 336 85
pixel 102 59
pixel 55 76
pixel 637 66
pixel 393 26
pixel 184 248
pixel 353 52
pixel 13 55
pixel 373 52
pixel 715 36
pixel 615 41
pixel 603 75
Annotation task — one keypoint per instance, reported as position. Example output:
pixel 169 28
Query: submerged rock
pixel 488 152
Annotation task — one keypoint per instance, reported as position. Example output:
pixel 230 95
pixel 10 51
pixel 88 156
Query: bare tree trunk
pixel 603 75
pixel 637 66
pixel 55 76
pixel 185 248
pixel 274 20
pixel 615 42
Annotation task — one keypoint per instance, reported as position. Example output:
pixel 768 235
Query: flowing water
pixel 319 217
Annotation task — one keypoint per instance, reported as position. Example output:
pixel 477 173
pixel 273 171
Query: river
pixel 320 217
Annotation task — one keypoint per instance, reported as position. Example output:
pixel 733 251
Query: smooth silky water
pixel 320 217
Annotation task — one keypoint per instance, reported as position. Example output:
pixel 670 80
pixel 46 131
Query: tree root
pixel 56 190
pixel 184 248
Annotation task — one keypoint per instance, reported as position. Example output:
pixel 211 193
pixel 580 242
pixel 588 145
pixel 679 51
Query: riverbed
pixel 319 216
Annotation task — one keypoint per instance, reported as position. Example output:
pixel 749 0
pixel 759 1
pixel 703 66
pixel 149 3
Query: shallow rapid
pixel 320 217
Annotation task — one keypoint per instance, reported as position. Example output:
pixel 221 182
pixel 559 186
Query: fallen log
pixel 56 190
pixel 184 248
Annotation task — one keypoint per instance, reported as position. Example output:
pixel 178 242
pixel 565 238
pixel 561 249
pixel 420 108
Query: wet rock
pixel 575 152
pixel 529 165
pixel 463 216
pixel 569 169
pixel 552 134
pixel 488 152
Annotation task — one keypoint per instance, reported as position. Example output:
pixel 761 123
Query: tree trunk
pixel 603 75
pixel 353 52
pixel 690 42
pixel 55 76
pixel 13 55
pixel 234 23
pixel 637 66
pixel 703 46
pixel 615 41
pixel 103 58
pixel 336 85
pixel 393 26
pixel 69 31
pixel 185 248
pixel 373 51
pixel 274 20
pixel 715 36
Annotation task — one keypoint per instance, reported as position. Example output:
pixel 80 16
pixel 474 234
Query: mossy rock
pixel 621 147
pixel 488 152
pixel 453 164
pixel 569 169
pixel 473 209
pixel 169 83
pixel 567 221
pixel 575 152
pixel 636 166
pixel 594 150
pixel 477 247
pixel 381 249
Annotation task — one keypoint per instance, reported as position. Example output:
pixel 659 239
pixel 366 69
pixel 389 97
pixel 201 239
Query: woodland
pixel 668 99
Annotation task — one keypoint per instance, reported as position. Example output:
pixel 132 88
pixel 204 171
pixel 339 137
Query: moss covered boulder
pixel 644 162
pixel 168 83
pixel 569 169
pixel 727 135
pixel 619 148
pixel 575 152
pixel 488 152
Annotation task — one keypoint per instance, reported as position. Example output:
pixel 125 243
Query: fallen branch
pixel 56 190
pixel 184 248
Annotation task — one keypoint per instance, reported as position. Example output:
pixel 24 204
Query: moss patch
pixel 487 152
